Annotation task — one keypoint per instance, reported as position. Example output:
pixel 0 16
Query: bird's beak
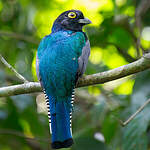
pixel 85 21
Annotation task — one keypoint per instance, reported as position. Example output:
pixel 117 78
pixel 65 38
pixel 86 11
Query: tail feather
pixel 48 109
pixel 60 121
pixel 72 102
pixel 67 143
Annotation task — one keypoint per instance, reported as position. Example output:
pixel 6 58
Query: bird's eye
pixel 72 15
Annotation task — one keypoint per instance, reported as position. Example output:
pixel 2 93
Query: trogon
pixel 61 60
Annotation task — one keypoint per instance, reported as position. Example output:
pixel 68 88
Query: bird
pixel 61 59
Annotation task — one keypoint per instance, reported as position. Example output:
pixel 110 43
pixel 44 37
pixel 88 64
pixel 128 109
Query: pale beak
pixel 85 21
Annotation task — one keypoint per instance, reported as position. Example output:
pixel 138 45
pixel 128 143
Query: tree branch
pixel 20 77
pixel 19 37
pixel 32 142
pixel 135 114
pixel 99 78
pixel 125 55
pixel 142 8
pixel 20 134
pixel 123 52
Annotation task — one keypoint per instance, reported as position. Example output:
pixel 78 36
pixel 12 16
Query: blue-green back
pixel 58 54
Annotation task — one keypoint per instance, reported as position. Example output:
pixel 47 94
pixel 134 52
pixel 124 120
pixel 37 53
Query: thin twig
pixel 123 52
pixel 135 114
pixel 19 36
pixel 16 133
pixel 13 69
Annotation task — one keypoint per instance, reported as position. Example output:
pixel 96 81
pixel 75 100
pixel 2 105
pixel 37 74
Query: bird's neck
pixel 58 27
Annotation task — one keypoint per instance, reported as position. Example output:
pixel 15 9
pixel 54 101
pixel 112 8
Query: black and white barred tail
pixel 48 110
pixel 72 102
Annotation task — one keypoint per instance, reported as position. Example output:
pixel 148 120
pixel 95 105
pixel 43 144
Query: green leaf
pixel 134 134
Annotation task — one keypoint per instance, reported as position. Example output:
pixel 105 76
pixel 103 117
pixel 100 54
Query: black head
pixel 70 20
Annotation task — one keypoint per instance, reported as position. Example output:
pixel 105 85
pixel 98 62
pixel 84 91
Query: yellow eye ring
pixel 72 15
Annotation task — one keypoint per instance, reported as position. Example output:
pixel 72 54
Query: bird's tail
pixel 60 123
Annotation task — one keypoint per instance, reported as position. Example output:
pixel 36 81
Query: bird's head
pixel 72 20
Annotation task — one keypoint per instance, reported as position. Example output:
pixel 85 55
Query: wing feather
pixel 83 59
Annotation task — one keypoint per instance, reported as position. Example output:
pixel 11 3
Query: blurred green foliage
pixel 113 36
